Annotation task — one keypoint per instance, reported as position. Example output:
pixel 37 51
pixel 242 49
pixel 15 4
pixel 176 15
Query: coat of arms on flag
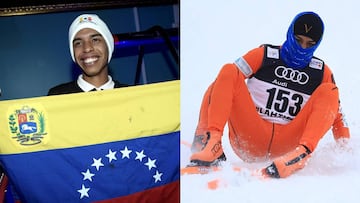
pixel 27 125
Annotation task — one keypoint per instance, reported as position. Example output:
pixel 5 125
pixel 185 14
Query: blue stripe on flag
pixel 95 172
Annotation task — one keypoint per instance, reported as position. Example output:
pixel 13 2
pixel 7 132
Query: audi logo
pixel 291 75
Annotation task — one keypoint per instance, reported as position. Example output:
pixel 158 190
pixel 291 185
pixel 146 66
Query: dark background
pixel 34 49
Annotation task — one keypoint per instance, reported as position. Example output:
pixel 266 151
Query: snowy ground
pixel 216 32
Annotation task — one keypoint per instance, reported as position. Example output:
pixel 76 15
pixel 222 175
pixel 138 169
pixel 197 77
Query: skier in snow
pixel 278 101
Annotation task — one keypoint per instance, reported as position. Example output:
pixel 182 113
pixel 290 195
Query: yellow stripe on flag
pixel 64 121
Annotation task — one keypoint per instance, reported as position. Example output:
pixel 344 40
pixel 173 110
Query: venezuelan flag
pixel 118 145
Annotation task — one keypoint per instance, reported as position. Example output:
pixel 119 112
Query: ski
pixel 202 168
pixel 216 183
pixel 198 169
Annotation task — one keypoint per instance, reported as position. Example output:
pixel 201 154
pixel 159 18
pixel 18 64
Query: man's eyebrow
pixel 96 35
pixel 76 39
pixel 93 35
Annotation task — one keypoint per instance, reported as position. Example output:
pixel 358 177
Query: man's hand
pixel 287 164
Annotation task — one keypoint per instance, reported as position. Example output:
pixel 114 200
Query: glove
pixel 287 164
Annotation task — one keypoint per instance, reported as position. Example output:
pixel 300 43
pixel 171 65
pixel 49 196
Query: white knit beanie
pixel 94 22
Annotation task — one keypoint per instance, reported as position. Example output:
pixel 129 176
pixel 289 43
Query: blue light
pixel 142 42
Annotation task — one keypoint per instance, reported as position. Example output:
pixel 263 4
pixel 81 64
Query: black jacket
pixel 73 87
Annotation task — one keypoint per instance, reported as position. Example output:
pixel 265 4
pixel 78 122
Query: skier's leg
pixel 221 100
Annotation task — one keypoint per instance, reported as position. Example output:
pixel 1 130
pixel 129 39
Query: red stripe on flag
pixel 3 184
pixel 165 193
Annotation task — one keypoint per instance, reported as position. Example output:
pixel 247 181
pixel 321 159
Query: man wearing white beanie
pixel 91 46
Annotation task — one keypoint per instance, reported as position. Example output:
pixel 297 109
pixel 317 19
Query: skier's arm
pixel 250 62
pixel 287 164
pixel 340 128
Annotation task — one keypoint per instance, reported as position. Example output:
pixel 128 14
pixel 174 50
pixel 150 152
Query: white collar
pixel 86 87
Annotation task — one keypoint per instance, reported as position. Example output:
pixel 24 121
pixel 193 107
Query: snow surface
pixel 215 32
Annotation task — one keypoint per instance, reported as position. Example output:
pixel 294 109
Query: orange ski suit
pixel 253 138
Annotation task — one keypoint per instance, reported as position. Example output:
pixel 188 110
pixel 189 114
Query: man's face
pixel 91 52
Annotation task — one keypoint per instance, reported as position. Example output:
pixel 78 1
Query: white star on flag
pixel 97 163
pixel 150 163
pixel 126 152
pixel 111 155
pixel 157 176
pixel 140 155
pixel 83 191
pixel 88 175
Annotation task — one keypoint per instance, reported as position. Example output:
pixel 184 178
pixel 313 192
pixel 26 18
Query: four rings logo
pixel 291 75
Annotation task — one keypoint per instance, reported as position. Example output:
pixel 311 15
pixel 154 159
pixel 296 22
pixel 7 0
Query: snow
pixel 215 32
